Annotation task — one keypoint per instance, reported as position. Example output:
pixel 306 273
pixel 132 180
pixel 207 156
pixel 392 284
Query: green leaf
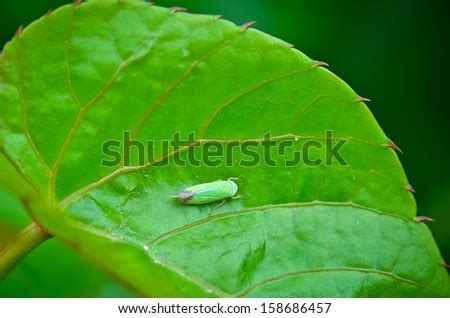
pixel 86 74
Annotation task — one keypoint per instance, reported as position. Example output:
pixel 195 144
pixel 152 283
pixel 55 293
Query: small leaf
pixel 86 74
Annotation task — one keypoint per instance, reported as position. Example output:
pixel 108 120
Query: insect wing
pixel 210 192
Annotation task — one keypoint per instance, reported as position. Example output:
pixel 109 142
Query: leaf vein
pixel 90 104
pixel 243 93
pixel 66 60
pixel 234 213
pixel 334 270
pixel 153 106
pixel 23 110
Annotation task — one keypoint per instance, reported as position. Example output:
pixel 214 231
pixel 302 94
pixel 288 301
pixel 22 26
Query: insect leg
pixel 219 204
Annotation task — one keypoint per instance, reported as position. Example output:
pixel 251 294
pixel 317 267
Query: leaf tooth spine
pixel 218 17
pixel 19 30
pixel 362 99
pixel 177 9
pixel 320 63
pixel 409 188
pixel 291 46
pixel 49 12
pixel 446 265
pixel 247 25
pixel 422 219
pixel 392 145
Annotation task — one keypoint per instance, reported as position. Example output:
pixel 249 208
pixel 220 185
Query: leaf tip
pixel 248 25
pixel 362 99
pixel 422 219
pixel 320 63
pixel 177 9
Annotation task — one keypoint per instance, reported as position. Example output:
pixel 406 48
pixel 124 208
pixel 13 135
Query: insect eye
pixel 185 195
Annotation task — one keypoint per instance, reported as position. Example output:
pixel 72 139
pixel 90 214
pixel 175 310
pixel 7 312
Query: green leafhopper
pixel 204 193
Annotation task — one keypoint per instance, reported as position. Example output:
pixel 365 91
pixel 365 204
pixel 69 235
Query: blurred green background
pixel 394 52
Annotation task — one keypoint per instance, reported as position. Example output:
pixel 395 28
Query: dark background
pixel 397 53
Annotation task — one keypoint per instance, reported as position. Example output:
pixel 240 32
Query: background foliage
pixel 395 53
